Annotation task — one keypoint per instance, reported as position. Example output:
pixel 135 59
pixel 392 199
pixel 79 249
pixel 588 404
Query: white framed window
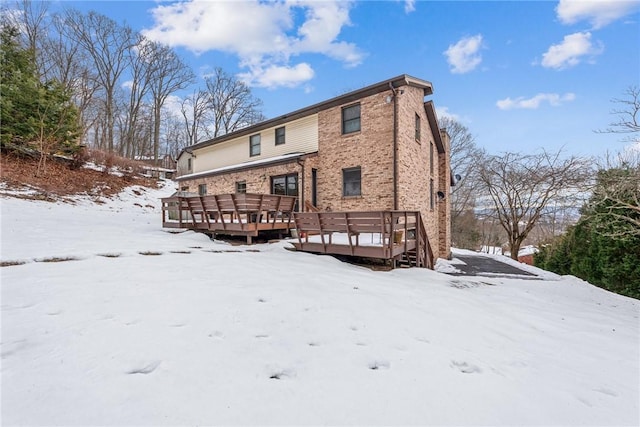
pixel 280 136
pixel 254 145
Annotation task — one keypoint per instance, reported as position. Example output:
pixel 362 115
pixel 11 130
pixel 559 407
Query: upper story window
pixel 351 182
pixel 202 189
pixel 351 119
pixel 417 128
pixel 241 187
pixel 254 145
pixel 189 165
pixel 280 135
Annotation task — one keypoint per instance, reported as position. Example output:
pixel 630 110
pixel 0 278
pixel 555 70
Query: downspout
pixel 395 148
pixel 301 207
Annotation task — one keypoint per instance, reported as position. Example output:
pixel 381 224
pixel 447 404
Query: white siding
pixel 300 136
pixel 182 164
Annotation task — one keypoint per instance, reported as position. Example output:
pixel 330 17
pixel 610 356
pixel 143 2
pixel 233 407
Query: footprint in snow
pixel 379 364
pixel 146 369
pixel 606 391
pixel 216 334
pixel 465 368
pixel 281 374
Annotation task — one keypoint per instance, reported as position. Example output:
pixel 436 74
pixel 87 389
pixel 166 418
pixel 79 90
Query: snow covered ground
pixel 134 325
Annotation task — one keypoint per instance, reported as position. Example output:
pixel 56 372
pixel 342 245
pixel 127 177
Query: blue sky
pixel 520 75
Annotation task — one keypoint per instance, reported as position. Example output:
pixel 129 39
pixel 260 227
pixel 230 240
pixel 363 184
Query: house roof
pixel 430 109
pixel 395 82
pixel 286 158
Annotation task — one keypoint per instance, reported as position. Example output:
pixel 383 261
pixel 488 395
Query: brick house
pixel 376 148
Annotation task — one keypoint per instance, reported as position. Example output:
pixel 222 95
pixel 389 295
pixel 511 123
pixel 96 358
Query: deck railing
pixel 234 214
pixel 391 235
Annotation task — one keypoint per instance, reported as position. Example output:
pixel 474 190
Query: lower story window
pixel 351 182
pixel 202 189
pixel 285 185
pixel 241 187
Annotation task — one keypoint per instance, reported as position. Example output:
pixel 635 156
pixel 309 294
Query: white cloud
pixel 173 106
pixel 409 6
pixel 571 51
pixel 275 75
pixel 598 12
pixel 443 112
pixel 263 35
pixel 464 56
pixel 553 99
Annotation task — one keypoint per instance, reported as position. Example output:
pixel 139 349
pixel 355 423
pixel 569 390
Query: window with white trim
pixel 280 135
pixel 254 145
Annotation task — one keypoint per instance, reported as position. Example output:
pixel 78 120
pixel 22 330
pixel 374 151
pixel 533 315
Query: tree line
pixel 112 85
pixel 583 214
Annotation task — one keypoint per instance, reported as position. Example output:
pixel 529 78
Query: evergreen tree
pixel 604 246
pixel 34 115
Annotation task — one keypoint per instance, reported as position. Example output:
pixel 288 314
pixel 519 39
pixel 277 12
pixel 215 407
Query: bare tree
pixel 465 158
pixel 140 59
pixel 68 63
pixel 34 24
pixel 194 110
pixel 107 44
pixel 521 187
pixel 168 74
pixel 615 203
pixel 233 106
pixel 628 114
pixel 173 135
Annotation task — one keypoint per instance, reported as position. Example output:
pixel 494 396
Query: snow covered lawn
pixel 134 325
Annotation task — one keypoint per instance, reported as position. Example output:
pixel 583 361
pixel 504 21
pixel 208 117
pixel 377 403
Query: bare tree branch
pixel 627 113
pixel 232 104
pixel 521 187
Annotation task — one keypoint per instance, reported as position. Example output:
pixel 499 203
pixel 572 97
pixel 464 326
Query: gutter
pixel 301 191
pixel 395 147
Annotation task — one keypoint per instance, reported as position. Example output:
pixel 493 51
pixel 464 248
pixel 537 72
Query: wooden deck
pixel 230 214
pixel 399 236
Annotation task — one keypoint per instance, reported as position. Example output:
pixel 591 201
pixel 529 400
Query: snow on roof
pixel 528 250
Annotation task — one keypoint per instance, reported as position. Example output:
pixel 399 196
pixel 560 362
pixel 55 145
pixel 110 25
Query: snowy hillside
pixel 109 320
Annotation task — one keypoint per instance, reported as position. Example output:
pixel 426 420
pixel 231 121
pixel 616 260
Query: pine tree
pixel 35 116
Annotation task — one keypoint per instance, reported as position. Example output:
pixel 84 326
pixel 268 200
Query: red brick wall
pixel 370 148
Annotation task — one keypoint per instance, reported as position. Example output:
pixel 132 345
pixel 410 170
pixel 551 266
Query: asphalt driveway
pixel 480 265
